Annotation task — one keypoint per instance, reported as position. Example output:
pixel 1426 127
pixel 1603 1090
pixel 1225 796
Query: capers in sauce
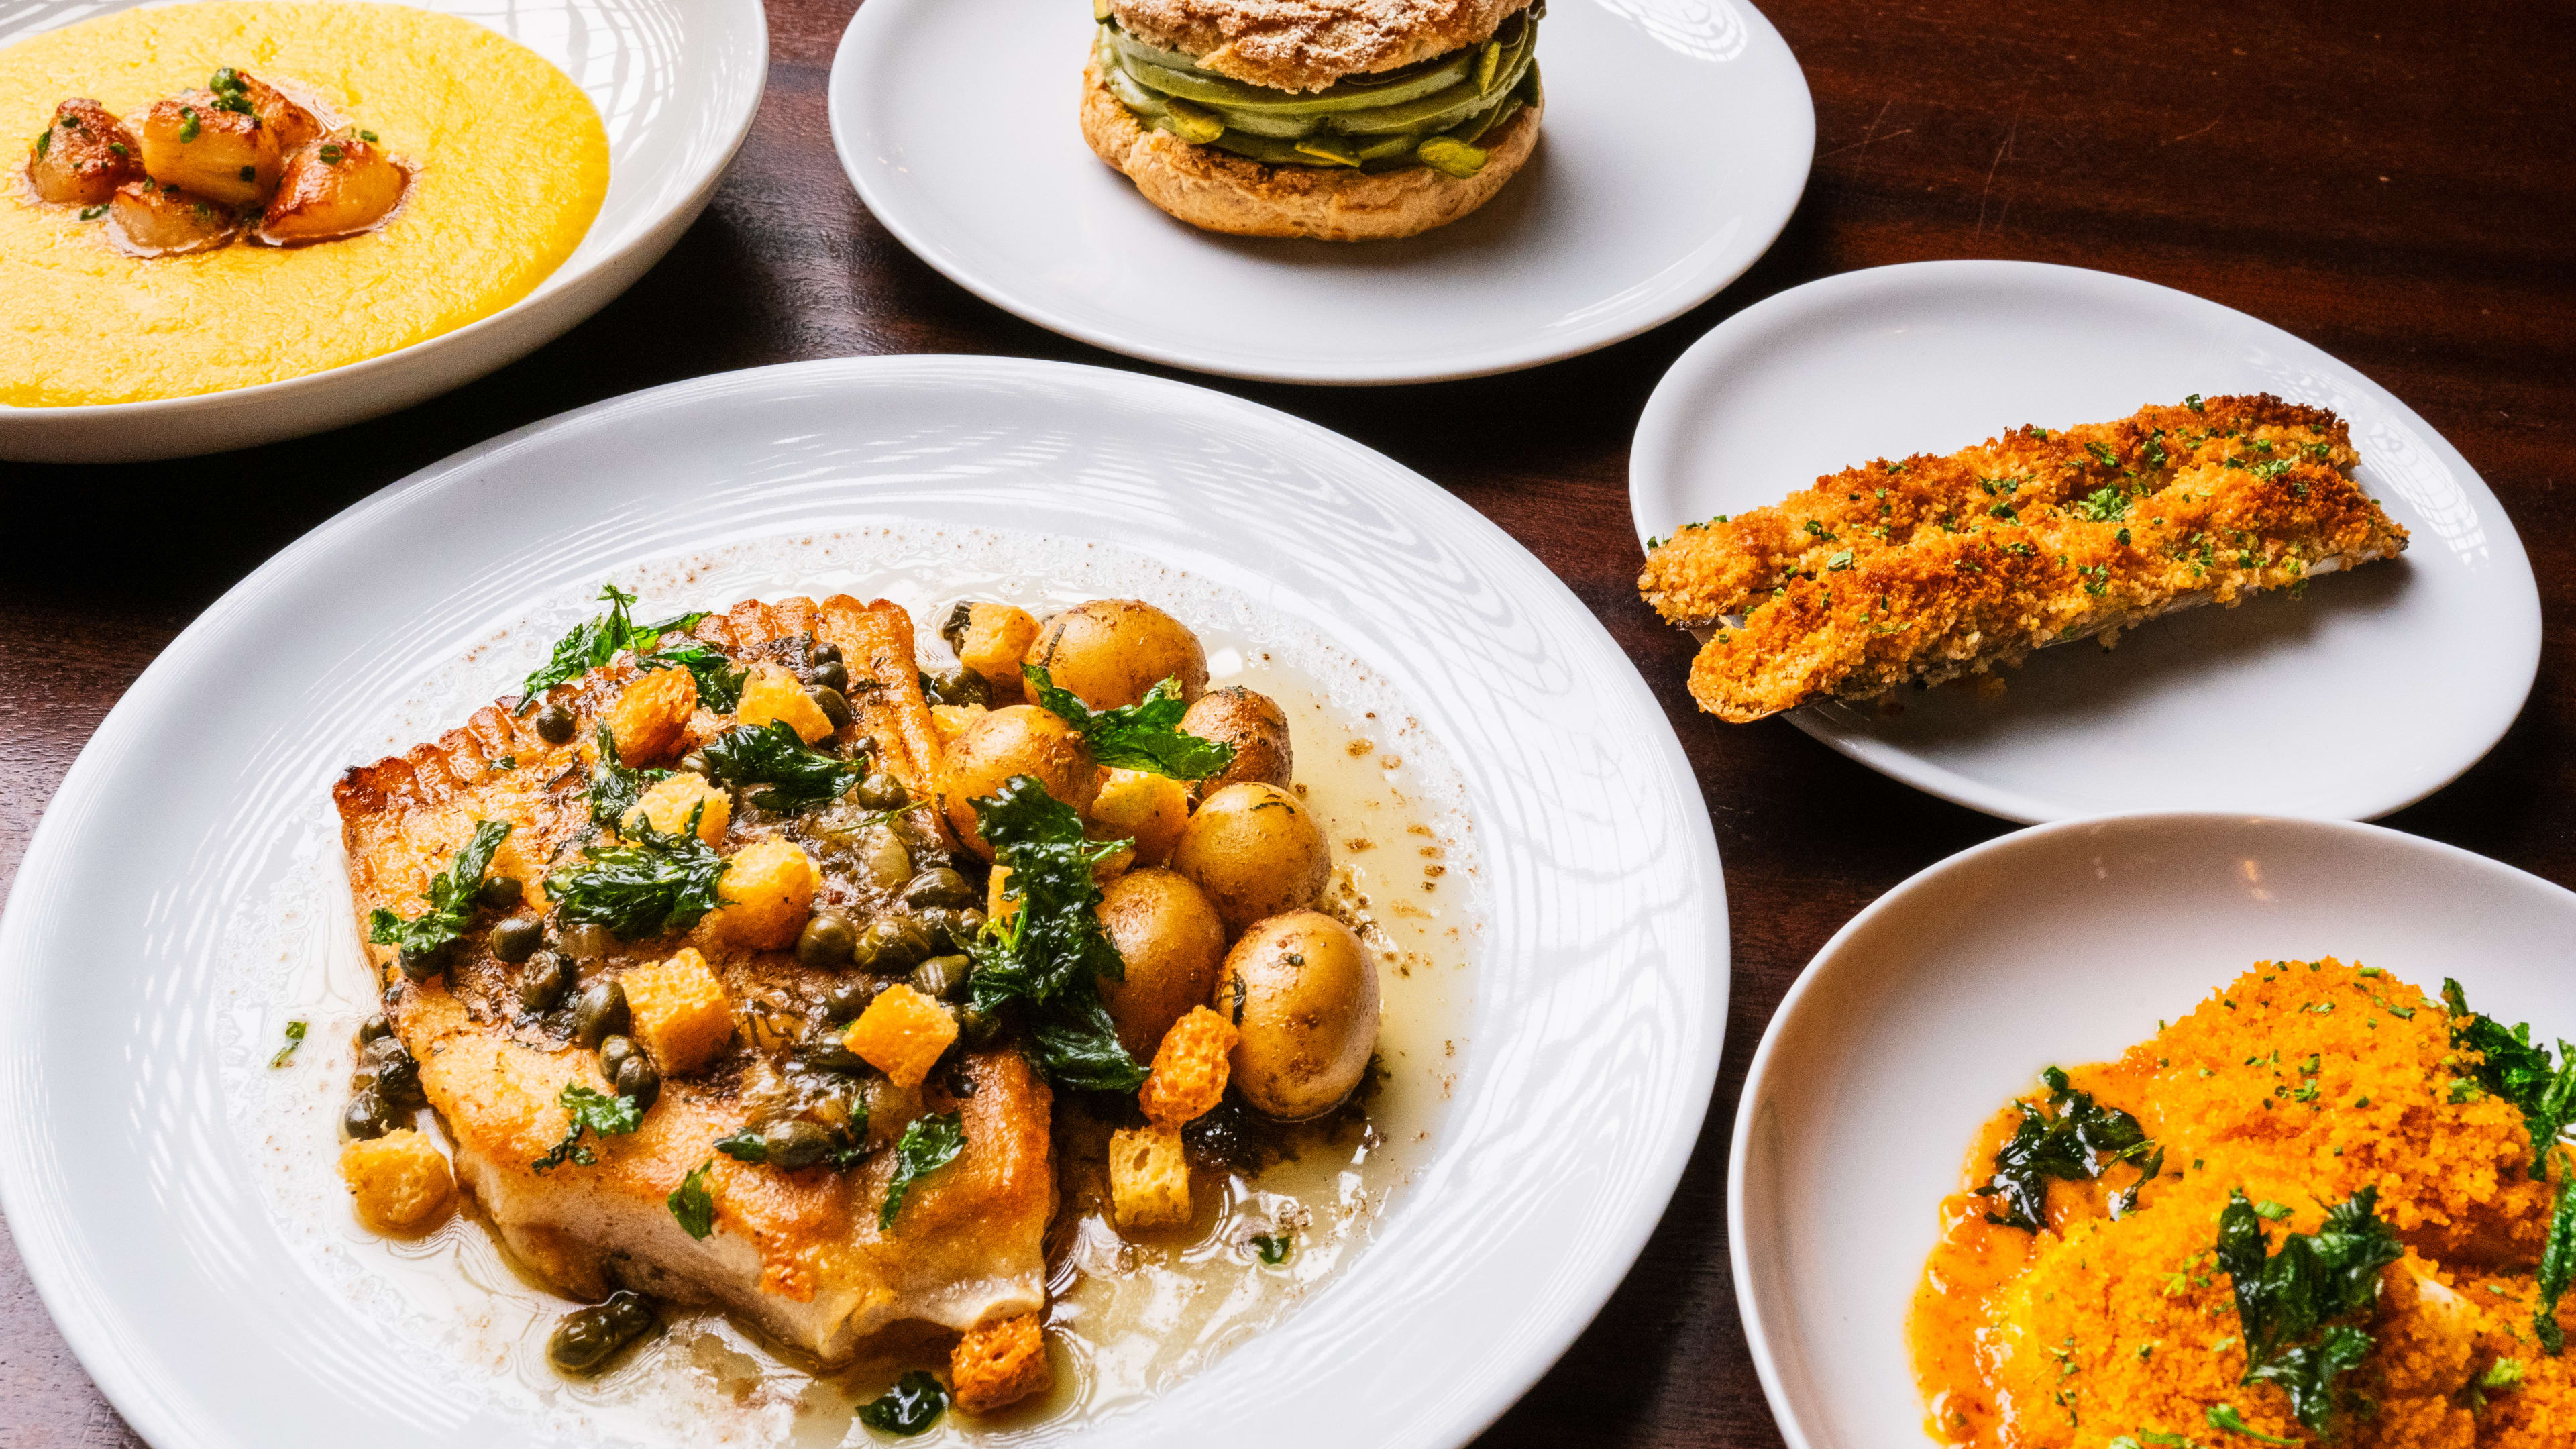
pixel 968 925
pixel 824 1050
pixel 695 763
pixel 385 1065
pixel 368 1115
pixel 374 1026
pixel 901 943
pixel 961 685
pixel 832 703
pixel 421 965
pixel 555 724
pixel 588 1338
pixel 826 942
pixel 598 1013
pixel 795 1143
pixel 543 982
pixel 940 976
pixel 585 941
pixel 833 675
pixel 847 999
pixel 882 791
pixel 938 886
pixel 630 1072
pixel 517 938
pixel 500 892
pixel 978 1028
pixel 825 652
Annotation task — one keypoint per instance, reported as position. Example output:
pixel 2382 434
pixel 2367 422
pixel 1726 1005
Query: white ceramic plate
pixel 1599 990
pixel 1677 139
pixel 2372 692
pixel 2061 944
pixel 676 83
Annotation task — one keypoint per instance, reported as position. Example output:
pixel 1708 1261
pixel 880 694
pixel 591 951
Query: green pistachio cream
pixel 1433 113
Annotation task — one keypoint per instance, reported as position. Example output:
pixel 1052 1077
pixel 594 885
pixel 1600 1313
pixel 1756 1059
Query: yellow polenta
pixel 510 164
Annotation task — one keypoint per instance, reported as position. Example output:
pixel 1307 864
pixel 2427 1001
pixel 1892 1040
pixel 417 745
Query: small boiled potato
pixel 1020 740
pixel 1302 989
pixel 1144 807
pixel 1256 852
pixel 336 186
pixel 83 157
pixel 1255 725
pixel 1172 942
pixel 1109 652
pixel 992 639
pixel 196 146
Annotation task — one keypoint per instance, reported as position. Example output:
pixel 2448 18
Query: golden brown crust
pixel 1306 45
pixel 1218 191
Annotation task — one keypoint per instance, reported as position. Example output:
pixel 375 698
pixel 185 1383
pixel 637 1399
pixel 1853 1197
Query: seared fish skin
pixel 1919 570
pixel 801 1252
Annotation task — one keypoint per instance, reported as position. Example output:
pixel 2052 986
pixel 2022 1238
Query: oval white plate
pixel 1601 977
pixel 2061 944
pixel 1677 139
pixel 676 83
pixel 2369 694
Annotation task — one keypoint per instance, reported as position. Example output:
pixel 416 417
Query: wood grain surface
pixel 2390 181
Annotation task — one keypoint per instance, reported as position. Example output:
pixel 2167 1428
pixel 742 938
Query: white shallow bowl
pixel 2057 945
pixel 676 83
pixel 1599 987
pixel 2370 693
pixel 1677 140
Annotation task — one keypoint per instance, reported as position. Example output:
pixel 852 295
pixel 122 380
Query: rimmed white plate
pixel 136 1196
pixel 2372 692
pixel 676 83
pixel 2061 944
pixel 1677 140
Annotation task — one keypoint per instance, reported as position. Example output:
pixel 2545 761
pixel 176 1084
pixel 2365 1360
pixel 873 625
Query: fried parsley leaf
pixel 914 1404
pixel 1142 736
pixel 2074 1140
pixel 929 1144
pixel 595 642
pixel 746 1145
pixel 773 754
pixel 615 789
pixel 1050 954
pixel 2557 1266
pixel 650 886
pixel 451 897
pixel 2287 1302
pixel 2224 1417
pixel 719 682
pixel 593 1111
pixel 692 1205
pixel 2521 1073
pixel 294 1039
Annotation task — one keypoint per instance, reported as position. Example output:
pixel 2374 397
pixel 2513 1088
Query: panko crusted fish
pixel 1916 571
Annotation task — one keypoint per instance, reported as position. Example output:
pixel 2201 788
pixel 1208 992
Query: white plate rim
pixel 91 1329
pixel 1660 429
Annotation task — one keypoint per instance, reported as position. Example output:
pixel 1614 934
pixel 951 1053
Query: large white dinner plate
pixel 1598 987
pixel 2372 692
pixel 2062 944
pixel 676 83
pixel 1677 140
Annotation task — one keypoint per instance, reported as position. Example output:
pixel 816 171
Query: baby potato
pixel 1109 652
pixel 83 156
pixel 1020 740
pixel 1255 725
pixel 1171 940
pixel 1256 852
pixel 1302 990
pixel 191 143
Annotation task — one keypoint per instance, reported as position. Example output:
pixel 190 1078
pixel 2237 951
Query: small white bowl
pixel 676 83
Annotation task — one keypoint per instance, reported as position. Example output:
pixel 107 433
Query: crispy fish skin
pixel 799 1252
pixel 2259 499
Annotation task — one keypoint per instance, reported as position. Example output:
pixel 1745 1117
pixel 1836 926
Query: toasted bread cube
pixel 952 720
pixel 1000 906
pixel 194 145
pixel 767 893
pixel 902 1034
pixel 651 719
pixel 399 1182
pixel 159 222
pixel 83 156
pixel 1190 1068
pixel 667 805
pixel 680 1013
pixel 999 1364
pixel 1149 1177
pixel 771 693
pixel 1150 809
pixel 996 637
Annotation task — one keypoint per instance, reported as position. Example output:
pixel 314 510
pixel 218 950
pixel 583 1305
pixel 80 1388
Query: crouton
pixel 680 1014
pixel 666 807
pixel 651 719
pixel 902 1034
pixel 1149 1177
pixel 999 1364
pixel 767 893
pixel 952 720
pixel 771 693
pixel 996 637
pixel 399 1183
pixel 1190 1068
pixel 1147 808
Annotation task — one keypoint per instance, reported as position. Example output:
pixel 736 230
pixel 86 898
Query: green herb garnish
pixel 1050 954
pixel 929 1144
pixel 2073 1141
pixel 692 1205
pixel 2193 402
pixel 914 1403
pixel 652 885
pixel 330 155
pixel 746 1145
pixel 93 213
pixel 595 1112
pixel 2224 1416
pixel 44 142
pixel 2288 1302
pixel 451 897
pixel 1142 736
pixel 1273 1247
pixel 615 789
pixel 799 777
pixel 2522 1074
pixel 367 136
pixel 294 1039
pixel 2103 505
pixel 595 642
pixel 230 93
pixel 719 683
pixel 188 126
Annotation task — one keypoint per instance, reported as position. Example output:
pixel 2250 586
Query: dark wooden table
pixel 2394 182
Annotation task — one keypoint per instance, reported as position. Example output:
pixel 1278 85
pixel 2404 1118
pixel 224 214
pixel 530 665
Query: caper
pixel 794 1142
pixel 638 1078
pixel 962 685
pixel 833 675
pixel 613 1052
pixel 368 1115
pixel 500 892
pixel 900 943
pixel 517 938
pixel 391 1070
pixel 847 999
pixel 584 941
pixel 938 886
pixel 825 653
pixel 543 982
pixel 940 976
pixel 555 724
pixel 978 1028
pixel 826 942
pixel 695 763
pixel 835 708
pixel 588 1338
pixel 422 965
pixel 968 925
pixel 960 619
pixel 374 1027
pixel 882 791
pixel 826 1051
pixel 599 1012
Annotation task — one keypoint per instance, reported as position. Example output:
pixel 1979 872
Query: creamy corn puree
pixel 509 164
